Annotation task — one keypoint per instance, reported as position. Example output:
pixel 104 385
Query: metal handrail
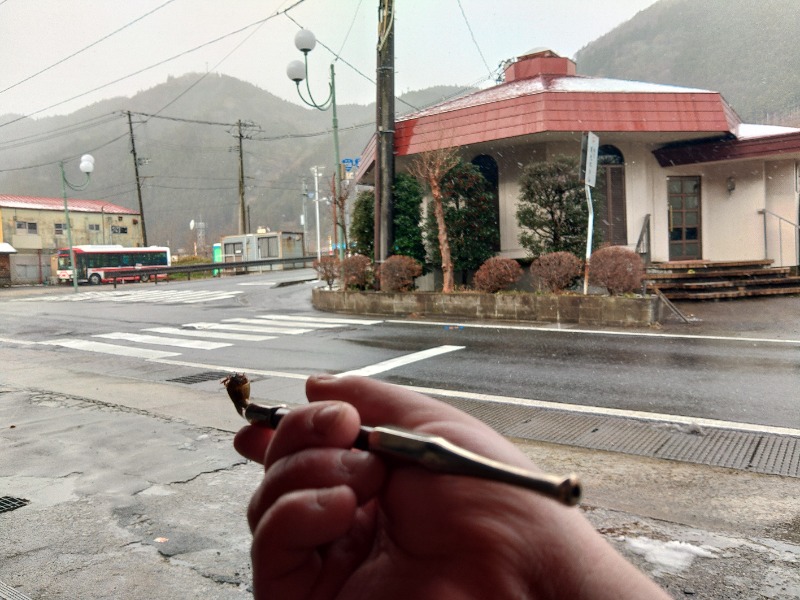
pixel 643 244
pixel 781 220
pixel 303 261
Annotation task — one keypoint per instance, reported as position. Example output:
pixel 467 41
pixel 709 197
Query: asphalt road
pixel 679 371
pixel 135 492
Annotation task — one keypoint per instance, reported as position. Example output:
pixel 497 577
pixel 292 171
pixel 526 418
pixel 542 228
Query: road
pixel 254 325
pixel 116 432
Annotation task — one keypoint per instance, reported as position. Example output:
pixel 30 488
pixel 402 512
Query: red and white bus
pixel 104 264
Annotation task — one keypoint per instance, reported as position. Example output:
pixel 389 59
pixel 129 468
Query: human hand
pixel 330 522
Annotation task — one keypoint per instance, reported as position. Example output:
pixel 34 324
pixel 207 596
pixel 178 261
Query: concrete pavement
pixel 134 490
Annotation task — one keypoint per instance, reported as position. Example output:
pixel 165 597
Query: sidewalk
pixel 135 492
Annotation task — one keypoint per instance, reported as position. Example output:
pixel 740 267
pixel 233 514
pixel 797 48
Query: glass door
pixel 684 218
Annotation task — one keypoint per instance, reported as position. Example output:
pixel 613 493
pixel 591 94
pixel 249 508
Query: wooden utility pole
pixel 138 181
pixel 384 159
pixel 242 215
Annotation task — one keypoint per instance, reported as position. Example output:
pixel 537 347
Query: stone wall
pixel 585 310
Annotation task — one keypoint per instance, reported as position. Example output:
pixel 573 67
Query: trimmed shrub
pixel 397 273
pixel 356 272
pixel 497 274
pixel 617 269
pixel 327 269
pixel 557 270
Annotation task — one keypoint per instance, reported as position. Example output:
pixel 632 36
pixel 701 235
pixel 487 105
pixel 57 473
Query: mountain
pixel 188 154
pixel 744 49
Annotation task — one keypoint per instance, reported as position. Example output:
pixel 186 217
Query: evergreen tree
pixel 552 208
pixel 362 227
pixel 471 218
pixel 407 215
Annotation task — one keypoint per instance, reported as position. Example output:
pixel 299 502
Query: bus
pixel 104 264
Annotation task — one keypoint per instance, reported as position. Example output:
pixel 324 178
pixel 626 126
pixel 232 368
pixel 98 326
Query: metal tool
pixel 432 452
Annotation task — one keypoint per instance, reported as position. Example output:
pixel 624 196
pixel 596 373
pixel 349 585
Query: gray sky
pixel 454 42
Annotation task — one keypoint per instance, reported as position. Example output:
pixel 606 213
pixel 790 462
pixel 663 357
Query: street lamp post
pixel 297 72
pixel 86 166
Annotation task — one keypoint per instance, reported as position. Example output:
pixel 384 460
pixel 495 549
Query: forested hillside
pixel 745 49
pixel 186 138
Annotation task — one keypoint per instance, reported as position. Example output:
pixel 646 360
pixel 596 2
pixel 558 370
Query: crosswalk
pixel 162 295
pixel 203 335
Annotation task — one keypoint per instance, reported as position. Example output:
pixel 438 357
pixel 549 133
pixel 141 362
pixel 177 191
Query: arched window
pixel 610 195
pixel 488 168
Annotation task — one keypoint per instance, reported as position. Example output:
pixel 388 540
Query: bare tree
pixel 339 210
pixel 429 168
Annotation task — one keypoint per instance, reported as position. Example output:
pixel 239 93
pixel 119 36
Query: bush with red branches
pixel 556 271
pixel 617 269
pixel 497 274
pixel 356 272
pixel 397 273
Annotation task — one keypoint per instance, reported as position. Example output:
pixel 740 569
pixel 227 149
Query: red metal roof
pixel 543 95
pixel 756 147
pixel 74 204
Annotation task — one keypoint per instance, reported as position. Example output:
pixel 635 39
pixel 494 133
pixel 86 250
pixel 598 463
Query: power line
pixel 84 49
pixel 472 35
pixel 158 64
pixel 46 136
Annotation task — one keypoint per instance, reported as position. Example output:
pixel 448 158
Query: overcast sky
pixel 454 42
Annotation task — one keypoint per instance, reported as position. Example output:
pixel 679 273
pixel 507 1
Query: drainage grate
pixel 766 453
pixel 8 503
pixel 201 377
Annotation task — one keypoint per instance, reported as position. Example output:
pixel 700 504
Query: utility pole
pixel 138 181
pixel 242 217
pixel 384 159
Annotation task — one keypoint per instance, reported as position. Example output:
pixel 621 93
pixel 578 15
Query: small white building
pixel 262 246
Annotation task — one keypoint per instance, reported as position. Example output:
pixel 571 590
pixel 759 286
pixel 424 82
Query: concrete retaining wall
pixel 585 310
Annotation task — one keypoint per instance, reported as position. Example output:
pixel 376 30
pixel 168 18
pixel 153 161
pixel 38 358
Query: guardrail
pixel 244 265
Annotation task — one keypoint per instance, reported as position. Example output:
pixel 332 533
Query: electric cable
pixel 84 49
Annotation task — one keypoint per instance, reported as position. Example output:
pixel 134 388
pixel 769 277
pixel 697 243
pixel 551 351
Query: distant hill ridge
pixel 745 49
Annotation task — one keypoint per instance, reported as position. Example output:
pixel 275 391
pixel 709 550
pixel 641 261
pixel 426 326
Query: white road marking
pixel 684 336
pixel 311 319
pixel 595 410
pixel 393 363
pixel 214 335
pixel 289 324
pixel 245 328
pixel 156 296
pixel 609 412
pixel 162 341
pixel 90 346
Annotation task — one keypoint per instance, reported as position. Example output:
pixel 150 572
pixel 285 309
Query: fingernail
pixel 324 419
pixel 353 460
pixel 323 377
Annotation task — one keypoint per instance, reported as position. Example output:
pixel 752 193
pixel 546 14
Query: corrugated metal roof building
pixel 36 228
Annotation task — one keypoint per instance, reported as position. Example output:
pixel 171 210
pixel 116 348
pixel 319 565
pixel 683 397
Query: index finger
pixel 380 403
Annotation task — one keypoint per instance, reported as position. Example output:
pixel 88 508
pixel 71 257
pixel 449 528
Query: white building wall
pixel 781 199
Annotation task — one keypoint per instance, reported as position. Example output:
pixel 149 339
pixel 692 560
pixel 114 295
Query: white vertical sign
pixel 589 149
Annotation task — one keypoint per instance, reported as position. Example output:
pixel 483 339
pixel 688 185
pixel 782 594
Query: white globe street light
pixel 86 166
pixel 297 71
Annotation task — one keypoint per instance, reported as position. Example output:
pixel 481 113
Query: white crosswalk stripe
pixel 217 335
pixel 92 346
pixel 207 335
pixel 235 326
pixel 152 296
pixel 313 319
pixel 162 341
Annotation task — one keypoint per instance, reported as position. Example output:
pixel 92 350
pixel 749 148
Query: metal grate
pixel 9 593
pixel 201 377
pixel 766 453
pixel 8 503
